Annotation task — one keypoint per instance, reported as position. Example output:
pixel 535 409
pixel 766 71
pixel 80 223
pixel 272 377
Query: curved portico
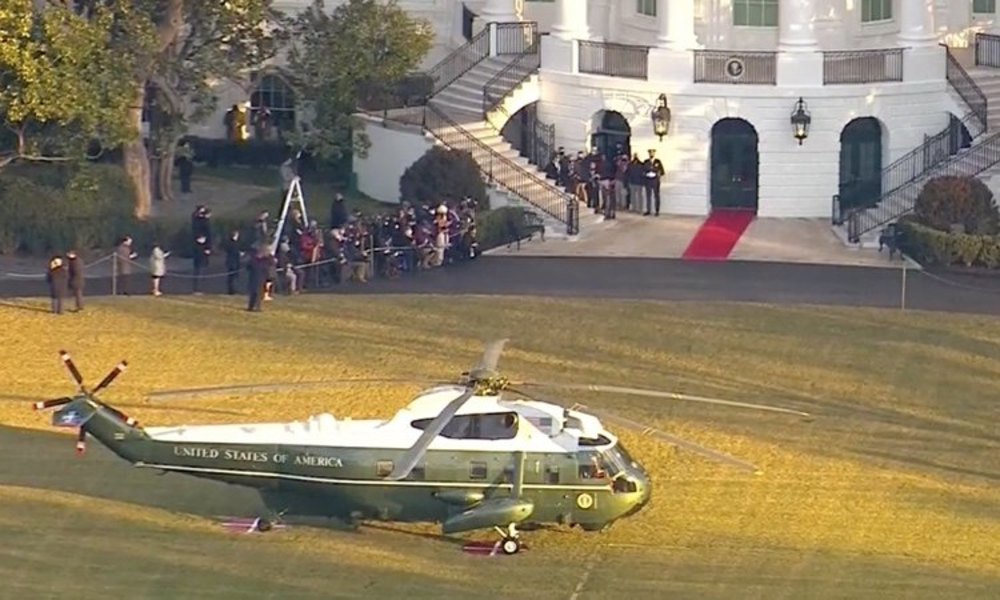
pixel 709 70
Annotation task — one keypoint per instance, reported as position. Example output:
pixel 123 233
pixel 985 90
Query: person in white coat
pixel 158 267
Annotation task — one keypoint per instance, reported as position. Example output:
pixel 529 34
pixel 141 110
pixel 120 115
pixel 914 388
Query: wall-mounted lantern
pixel 661 117
pixel 800 121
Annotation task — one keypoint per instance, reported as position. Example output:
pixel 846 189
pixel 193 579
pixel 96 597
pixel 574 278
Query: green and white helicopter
pixel 469 456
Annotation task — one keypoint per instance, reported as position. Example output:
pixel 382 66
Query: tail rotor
pixel 75 411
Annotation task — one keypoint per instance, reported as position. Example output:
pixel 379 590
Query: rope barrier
pixel 36 276
pixel 965 286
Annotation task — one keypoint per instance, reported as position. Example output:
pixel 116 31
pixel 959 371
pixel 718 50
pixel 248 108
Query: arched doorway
pixel 735 165
pixel 860 163
pixel 611 130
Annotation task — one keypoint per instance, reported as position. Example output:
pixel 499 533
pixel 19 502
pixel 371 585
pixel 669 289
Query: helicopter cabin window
pixel 477 470
pixel 593 465
pixel 491 426
pixel 383 468
pixel 552 474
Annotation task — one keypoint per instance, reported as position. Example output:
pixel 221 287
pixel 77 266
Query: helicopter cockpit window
pixel 594 465
pixel 491 426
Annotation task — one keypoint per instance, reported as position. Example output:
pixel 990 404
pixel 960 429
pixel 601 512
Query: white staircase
pixel 981 159
pixel 462 102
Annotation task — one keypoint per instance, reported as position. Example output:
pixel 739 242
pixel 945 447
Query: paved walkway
pixel 809 241
pixel 634 278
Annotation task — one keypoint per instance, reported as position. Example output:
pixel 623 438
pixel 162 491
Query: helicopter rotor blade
pixel 669 395
pixel 44 404
pixel 71 366
pixel 434 428
pixel 671 439
pixel 273 386
pixel 118 370
pixel 490 359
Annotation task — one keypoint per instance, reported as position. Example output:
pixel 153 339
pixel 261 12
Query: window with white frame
pixel 984 6
pixel 755 13
pixel 876 10
pixel 646 7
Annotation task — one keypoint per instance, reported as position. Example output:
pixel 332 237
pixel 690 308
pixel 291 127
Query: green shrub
pixel 930 246
pixel 442 174
pixel 989 256
pixel 953 200
pixel 48 208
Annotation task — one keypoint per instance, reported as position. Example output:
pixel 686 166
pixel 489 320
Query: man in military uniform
pixel 654 172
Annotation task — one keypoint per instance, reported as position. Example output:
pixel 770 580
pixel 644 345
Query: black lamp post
pixel 800 121
pixel 661 117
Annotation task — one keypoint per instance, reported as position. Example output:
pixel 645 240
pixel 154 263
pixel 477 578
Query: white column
pixel 676 24
pixel 995 26
pixel 916 23
pixel 499 11
pixel 571 20
pixel 795 22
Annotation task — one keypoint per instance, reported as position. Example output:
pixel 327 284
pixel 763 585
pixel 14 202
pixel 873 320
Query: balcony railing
pixel 723 66
pixel 862 66
pixel 987 50
pixel 516 38
pixel 614 60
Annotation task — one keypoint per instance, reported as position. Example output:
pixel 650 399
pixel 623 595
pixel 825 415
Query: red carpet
pixel 718 235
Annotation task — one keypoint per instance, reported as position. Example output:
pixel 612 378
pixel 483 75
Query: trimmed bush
pixel 442 174
pixel 957 201
pixel 47 208
pixel 933 247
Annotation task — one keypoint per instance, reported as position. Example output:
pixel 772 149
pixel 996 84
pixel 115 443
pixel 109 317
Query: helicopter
pixel 479 454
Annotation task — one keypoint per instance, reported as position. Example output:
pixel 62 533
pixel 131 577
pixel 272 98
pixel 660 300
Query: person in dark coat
pixel 58 279
pixel 338 212
pixel 201 253
pixel 233 257
pixel 75 270
pixel 201 223
pixel 257 268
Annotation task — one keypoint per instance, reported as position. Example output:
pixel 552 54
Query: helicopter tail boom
pixel 110 426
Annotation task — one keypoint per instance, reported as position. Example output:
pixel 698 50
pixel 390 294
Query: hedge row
pixel 48 208
pixel 931 246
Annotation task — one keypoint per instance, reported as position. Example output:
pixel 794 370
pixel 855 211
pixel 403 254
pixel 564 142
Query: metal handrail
pixel 498 168
pixel 460 61
pixel 967 88
pixel 511 76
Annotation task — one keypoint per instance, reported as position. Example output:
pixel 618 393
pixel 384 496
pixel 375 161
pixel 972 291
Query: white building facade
pixel 873 76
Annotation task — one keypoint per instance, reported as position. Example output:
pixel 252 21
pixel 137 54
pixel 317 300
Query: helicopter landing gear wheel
pixel 510 539
pixel 263 525
pixel 510 545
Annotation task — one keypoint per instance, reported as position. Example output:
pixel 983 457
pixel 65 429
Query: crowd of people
pixel 350 246
pixel 607 183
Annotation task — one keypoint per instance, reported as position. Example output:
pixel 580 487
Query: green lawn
pixel 318 194
pixel 890 492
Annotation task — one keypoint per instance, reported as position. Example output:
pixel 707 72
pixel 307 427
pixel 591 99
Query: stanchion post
pixel 114 274
pixel 902 291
